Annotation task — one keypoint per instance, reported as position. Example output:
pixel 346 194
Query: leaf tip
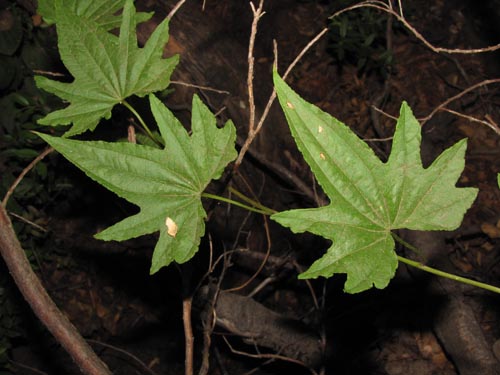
pixel 276 77
pixel 103 236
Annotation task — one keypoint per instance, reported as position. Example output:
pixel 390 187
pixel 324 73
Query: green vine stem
pixel 409 246
pixel 447 275
pixel 254 203
pixel 141 121
pixel 262 210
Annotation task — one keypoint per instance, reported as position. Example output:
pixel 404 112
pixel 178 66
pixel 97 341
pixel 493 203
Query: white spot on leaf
pixel 290 105
pixel 171 227
pixel 320 129
pixel 322 156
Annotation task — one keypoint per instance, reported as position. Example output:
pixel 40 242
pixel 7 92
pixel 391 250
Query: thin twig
pixel 175 9
pixel 263 263
pixel 384 113
pixel 271 356
pixel 272 97
pixel 47 73
pixel 30 166
pixel 303 51
pixel 378 139
pixel 262 285
pixel 458 96
pixel 32 369
pixel 388 9
pixel 29 222
pixel 252 131
pixel 126 353
pixel 207 328
pixel 211 319
pixel 489 124
pixel 244 221
pixel 257 14
pixel 308 283
pixel 286 175
pixel 266 228
pixel 488 117
pixel 205 88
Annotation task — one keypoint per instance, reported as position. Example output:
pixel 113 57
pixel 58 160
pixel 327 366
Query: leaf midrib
pixel 333 160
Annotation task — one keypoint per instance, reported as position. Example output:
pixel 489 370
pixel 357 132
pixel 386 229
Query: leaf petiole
pixel 409 246
pixel 447 275
pixel 251 201
pixel 141 121
pixel 262 210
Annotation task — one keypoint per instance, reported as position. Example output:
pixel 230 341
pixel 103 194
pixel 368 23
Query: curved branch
pixel 42 305
pixel 380 5
pixel 441 107
pixel 18 180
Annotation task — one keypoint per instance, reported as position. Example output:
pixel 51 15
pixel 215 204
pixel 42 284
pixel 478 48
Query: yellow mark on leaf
pixel 290 105
pixel 320 129
pixel 322 156
pixel 171 227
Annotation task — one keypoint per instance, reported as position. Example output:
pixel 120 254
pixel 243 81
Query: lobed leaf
pixel 369 198
pixel 107 69
pixel 102 12
pixel 166 184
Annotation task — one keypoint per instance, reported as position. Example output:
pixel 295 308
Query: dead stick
pixel 458 96
pixel 252 132
pixel 175 9
pixel 380 5
pixel 257 14
pixel 42 305
pixel 188 334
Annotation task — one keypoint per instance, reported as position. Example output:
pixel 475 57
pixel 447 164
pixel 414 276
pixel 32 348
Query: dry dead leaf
pixel 171 227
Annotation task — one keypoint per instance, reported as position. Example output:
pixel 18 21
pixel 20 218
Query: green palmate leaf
pixel 107 69
pixel 166 184
pixel 102 12
pixel 369 198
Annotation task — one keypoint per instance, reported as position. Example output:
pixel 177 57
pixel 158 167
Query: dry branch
pixel 259 325
pixel 41 303
pixel 387 7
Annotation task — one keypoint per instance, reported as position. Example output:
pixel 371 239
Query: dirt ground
pixel 417 325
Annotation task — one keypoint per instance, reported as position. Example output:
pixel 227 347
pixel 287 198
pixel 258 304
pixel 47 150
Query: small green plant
pixel 369 198
pixel 359 38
